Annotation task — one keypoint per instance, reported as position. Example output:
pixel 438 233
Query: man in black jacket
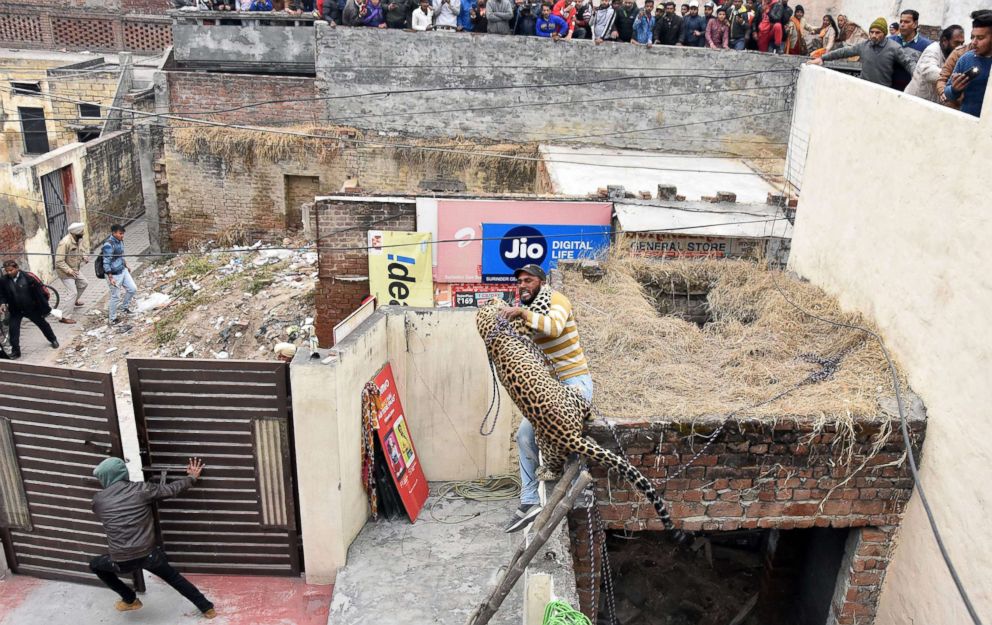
pixel 668 28
pixel 125 510
pixel 24 297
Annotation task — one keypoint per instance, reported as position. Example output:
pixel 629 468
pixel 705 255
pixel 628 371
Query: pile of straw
pixel 445 157
pixel 247 146
pixel 648 365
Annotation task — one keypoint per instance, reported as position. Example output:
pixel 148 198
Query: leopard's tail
pixel 607 458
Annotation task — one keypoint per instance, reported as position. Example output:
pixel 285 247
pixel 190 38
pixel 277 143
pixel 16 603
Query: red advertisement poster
pixel 397 445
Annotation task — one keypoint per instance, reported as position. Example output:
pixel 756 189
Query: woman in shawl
pixel 795 43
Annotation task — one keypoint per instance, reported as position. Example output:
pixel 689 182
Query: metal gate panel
pixel 53 190
pixel 63 422
pixel 240 517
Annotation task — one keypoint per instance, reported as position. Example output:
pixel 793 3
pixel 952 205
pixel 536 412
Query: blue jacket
pixel 900 76
pixel 113 256
pixel 545 27
pixel 689 24
pixel 974 93
pixel 464 19
pixel 644 29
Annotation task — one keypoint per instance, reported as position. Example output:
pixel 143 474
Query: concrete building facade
pixel 906 246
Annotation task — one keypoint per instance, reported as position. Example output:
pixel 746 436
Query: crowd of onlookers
pixel 894 54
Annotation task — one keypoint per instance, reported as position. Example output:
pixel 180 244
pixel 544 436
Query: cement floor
pixel 434 571
pixel 238 600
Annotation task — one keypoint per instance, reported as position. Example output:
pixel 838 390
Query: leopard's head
pixel 486 318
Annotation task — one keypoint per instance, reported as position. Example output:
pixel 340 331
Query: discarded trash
pixel 154 300
pixel 188 351
pixel 222 355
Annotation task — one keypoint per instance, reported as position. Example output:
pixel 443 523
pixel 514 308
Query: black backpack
pixel 98 267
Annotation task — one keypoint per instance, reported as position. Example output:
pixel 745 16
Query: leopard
pixel 558 412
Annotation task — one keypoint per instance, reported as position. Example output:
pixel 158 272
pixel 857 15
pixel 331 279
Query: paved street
pixel 34 347
pixel 240 600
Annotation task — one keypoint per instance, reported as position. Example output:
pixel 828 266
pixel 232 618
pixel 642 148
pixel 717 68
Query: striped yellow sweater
pixel 558 337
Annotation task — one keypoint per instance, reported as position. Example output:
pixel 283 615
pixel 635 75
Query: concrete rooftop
pixel 436 570
pixel 579 171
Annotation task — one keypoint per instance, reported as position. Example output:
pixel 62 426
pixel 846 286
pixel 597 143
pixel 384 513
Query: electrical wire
pixel 907 441
pixel 464 88
pixel 381 144
pixel 358 248
pixel 488 489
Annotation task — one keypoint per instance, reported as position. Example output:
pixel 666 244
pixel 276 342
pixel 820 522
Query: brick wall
pixel 212 196
pixel 342 281
pixel 93 25
pixel 760 475
pixel 111 183
pixel 12 242
pixel 93 87
pixel 203 91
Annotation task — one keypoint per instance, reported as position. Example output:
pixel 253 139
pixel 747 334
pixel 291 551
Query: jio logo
pixel 523 245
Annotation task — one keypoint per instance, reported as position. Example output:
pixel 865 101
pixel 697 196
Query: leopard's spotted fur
pixel 556 411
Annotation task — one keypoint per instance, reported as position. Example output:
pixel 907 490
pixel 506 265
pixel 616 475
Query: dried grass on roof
pixel 249 146
pixel 235 144
pixel 648 365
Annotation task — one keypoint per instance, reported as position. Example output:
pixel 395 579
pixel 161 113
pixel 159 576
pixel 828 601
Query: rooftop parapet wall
pixel 677 99
pixel 273 42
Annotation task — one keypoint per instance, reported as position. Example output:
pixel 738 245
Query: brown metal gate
pixel 235 415
pixel 56 425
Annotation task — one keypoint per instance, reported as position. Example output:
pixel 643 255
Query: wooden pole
pixel 526 552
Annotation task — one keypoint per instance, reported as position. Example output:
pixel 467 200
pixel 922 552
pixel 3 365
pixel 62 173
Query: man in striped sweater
pixel 549 315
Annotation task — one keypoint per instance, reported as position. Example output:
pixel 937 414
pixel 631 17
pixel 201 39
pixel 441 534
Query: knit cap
pixel 879 24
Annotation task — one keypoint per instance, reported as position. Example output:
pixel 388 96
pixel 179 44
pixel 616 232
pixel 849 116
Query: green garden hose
pixel 560 613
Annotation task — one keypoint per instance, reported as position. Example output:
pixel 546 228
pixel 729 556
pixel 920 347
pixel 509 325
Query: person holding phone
pixel 970 77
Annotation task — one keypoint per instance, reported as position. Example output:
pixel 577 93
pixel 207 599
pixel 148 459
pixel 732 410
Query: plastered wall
pixel 441 372
pixel 668 98
pixel 897 229
pixel 932 12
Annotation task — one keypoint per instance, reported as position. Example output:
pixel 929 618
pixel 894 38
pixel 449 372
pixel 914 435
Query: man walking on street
pixel 125 510
pixel 549 315
pixel 117 272
pixel 23 296
pixel 68 260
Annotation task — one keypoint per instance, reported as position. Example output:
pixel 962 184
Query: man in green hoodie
pixel 125 510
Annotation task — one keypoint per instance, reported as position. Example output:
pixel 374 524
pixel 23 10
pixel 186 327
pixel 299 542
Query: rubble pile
pixel 208 304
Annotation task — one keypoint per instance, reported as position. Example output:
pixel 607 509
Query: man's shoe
pixel 123 606
pixel 15 354
pixel 523 517
pixel 64 320
pixel 211 613
pixel 114 322
pixel 54 344
pixel 79 304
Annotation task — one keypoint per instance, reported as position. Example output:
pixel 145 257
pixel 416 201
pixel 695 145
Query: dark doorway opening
pixel 751 577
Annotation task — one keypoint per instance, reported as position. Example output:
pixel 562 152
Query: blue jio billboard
pixel 508 247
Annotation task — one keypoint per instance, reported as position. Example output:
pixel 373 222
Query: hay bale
pixel 647 365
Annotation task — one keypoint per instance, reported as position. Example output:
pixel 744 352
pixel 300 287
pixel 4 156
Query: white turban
pixel 76 228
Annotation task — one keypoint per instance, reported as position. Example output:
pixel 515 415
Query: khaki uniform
pixel 69 259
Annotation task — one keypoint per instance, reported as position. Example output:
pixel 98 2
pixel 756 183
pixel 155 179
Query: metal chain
pixel 611 601
pixel 592 554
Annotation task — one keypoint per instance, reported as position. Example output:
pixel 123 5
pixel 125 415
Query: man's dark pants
pixel 37 319
pixel 155 562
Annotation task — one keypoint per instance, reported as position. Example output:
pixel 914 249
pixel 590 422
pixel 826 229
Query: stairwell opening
pixel 746 577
